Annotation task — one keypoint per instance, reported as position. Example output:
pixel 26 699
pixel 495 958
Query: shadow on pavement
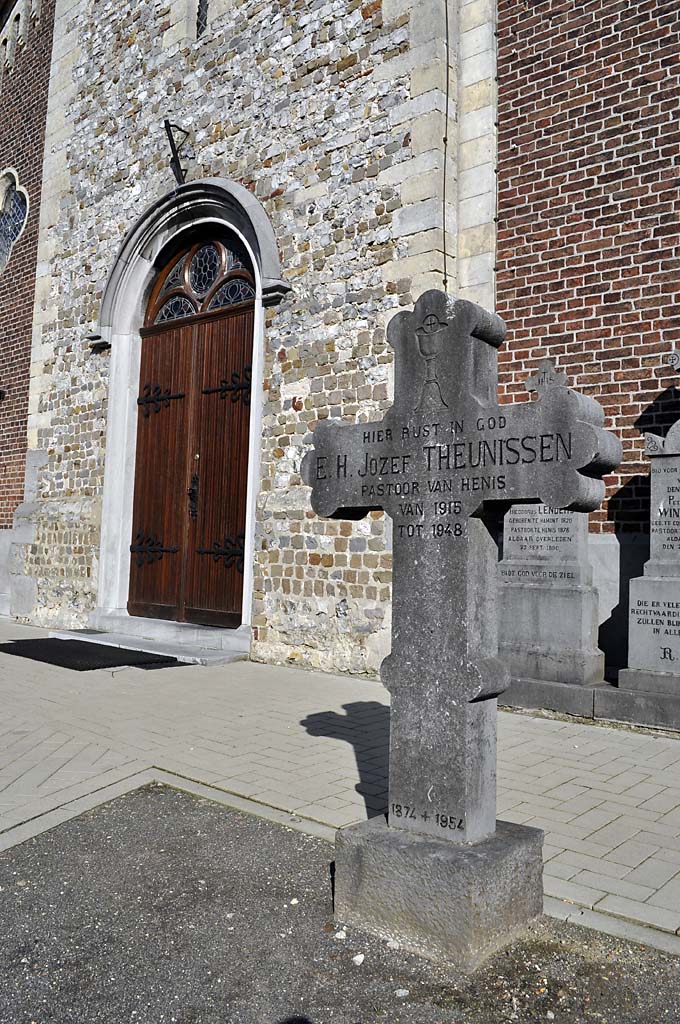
pixel 366 726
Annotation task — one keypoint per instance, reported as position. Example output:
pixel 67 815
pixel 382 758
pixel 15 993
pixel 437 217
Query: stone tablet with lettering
pixel 548 606
pixel 654 615
pixel 548 537
pixel 444 463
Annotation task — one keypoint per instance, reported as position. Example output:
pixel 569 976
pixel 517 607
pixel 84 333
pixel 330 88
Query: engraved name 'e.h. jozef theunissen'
pixel 444 463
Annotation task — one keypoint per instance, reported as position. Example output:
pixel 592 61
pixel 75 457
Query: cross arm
pixel 334 470
pixel 564 433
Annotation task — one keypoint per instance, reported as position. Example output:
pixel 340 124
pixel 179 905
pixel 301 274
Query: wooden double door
pixel 189 518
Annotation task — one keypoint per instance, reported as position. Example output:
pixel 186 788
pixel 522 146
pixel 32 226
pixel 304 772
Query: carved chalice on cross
pixel 430 336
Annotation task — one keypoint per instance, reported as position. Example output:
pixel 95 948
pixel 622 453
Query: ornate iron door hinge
pixel 149 549
pixel 231 550
pixel 237 389
pixel 193 497
pixel 154 396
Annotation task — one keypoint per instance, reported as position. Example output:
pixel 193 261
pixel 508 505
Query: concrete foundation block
pixel 638 679
pixel 549 631
pixel 438 899
pixel 659 710
pixel 567 666
pixel 567 698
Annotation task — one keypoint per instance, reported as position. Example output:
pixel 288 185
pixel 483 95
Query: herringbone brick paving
pixel 315 747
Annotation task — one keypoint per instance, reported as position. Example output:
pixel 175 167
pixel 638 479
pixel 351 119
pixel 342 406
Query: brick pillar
pixel 25 45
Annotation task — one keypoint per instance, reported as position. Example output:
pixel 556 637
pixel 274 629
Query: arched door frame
pixel 200 209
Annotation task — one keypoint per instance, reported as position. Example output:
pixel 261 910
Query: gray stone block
pixel 435 898
pixel 5 541
pixel 548 606
pixel 572 667
pixel 567 698
pixel 36 460
pixel 23 596
pixel 637 680
pixel 660 710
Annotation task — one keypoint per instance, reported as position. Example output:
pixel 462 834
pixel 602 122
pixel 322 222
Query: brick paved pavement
pixel 311 750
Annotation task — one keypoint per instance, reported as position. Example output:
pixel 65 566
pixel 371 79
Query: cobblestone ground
pixel 311 750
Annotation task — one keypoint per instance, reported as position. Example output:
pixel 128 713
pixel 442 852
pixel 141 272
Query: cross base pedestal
pixel 438 899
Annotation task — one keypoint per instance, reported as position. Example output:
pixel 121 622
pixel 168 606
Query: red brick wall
pixel 589 212
pixel 23 107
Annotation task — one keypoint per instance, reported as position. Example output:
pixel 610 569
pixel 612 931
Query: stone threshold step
pixel 185 653
pixel 235 641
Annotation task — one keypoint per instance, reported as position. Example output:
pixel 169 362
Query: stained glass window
pixel 175 278
pixel 201 18
pixel 204 278
pixel 231 292
pixel 176 307
pixel 13 215
pixel 203 270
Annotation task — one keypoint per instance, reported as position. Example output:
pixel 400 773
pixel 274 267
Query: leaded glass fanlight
pixel 13 214
pixel 203 279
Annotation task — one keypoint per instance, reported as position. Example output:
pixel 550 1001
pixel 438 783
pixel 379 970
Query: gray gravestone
pixel 654 611
pixel 548 605
pixel 443 461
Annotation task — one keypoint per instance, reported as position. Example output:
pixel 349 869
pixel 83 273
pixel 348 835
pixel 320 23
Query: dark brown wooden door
pixel 189 518
pixel 160 509
pixel 214 582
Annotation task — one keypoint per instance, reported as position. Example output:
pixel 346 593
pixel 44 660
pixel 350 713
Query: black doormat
pixel 82 656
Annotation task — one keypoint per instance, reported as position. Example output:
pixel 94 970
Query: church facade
pixel 211 210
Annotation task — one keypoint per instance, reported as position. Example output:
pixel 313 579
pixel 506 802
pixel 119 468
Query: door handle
pixel 193 497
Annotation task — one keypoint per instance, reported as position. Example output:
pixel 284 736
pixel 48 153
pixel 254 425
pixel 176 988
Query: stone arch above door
pixel 197 203
pixel 199 209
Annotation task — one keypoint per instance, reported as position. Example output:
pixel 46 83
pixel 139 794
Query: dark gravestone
pixel 444 463
pixel 654 617
pixel 548 606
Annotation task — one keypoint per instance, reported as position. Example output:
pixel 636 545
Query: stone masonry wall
pixel 25 47
pixel 333 114
pixel 588 232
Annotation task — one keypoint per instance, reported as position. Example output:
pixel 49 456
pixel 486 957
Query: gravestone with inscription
pixel 654 613
pixel 441 876
pixel 547 602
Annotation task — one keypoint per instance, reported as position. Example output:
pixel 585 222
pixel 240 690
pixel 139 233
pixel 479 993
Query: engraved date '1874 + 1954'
pixel 445 821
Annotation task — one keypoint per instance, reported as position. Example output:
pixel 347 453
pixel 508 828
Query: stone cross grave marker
pixel 444 455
